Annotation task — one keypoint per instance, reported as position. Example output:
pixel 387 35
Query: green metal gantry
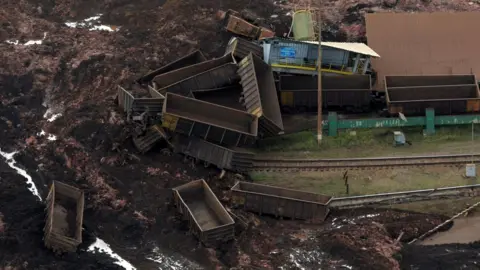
pixel 429 121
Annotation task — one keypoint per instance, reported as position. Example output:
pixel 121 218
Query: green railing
pixel 429 121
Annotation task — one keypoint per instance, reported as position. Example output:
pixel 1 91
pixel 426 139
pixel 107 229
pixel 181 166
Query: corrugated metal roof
pixel 439 43
pixel 356 47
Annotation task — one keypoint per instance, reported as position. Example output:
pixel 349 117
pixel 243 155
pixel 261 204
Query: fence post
pixel 430 121
pixel 332 124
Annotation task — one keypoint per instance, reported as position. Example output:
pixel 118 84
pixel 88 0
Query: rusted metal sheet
pixel 206 216
pixel 260 94
pixel 65 206
pixel 175 76
pixel 212 79
pixel 208 121
pixel 415 94
pixel 240 48
pixel 280 202
pixel 423 43
pixel 234 159
pixel 188 60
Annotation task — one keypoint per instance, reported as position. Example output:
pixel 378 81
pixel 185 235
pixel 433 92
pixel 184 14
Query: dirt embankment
pixel 75 72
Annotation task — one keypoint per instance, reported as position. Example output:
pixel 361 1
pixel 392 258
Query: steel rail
pixel 274 164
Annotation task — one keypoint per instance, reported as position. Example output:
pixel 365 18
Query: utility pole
pixel 319 67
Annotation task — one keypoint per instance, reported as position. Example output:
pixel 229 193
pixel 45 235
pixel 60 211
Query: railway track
pixel 267 164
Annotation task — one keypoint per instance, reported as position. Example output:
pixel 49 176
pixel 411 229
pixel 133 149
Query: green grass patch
pixel 366 182
pixel 370 142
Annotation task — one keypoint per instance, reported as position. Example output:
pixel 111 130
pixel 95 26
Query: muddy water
pixel 464 230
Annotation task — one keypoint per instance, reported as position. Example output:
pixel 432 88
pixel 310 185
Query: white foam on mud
pixel 105 248
pixel 28 43
pixel 337 224
pixel 50 137
pixel 51 116
pixel 312 258
pixel 89 23
pixel 11 162
pixel 167 263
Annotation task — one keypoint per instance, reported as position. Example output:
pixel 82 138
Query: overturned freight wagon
pixel 63 226
pixel 233 159
pixel 280 202
pixel 211 122
pixel 447 94
pixel 206 216
pixel 209 80
pixel 298 93
pixel 172 77
pixel 233 22
pixel 260 94
pixel 240 48
pixel 188 60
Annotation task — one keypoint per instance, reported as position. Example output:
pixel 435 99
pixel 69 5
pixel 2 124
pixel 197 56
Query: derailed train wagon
pixel 214 78
pixel 351 93
pixel 260 94
pixel 63 226
pixel 447 94
pixel 188 60
pixel 233 22
pixel 206 216
pixel 280 202
pixel 172 77
pixel 211 122
pixel 233 159
pixel 131 104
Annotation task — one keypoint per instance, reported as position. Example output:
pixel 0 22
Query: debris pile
pixel 206 109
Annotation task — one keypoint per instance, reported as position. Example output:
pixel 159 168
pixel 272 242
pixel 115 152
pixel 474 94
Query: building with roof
pixel 300 57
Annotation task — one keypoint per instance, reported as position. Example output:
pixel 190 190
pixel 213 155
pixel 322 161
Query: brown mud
pixel 127 195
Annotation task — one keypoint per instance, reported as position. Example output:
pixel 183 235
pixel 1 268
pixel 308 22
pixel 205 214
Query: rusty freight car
pixel 260 94
pixel 280 202
pixel 63 226
pixel 298 93
pixel 206 216
pixel 177 75
pixel 212 79
pixel 188 60
pixel 447 94
pixel 234 23
pixel 233 159
pixel 211 122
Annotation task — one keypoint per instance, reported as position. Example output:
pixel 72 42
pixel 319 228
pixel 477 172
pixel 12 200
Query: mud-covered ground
pixel 74 72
